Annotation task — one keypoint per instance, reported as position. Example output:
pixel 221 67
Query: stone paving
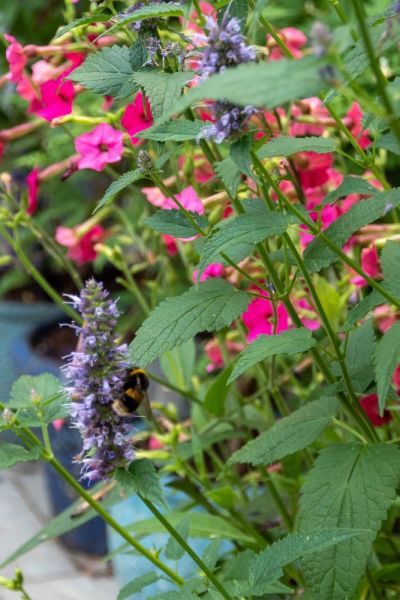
pixel 51 572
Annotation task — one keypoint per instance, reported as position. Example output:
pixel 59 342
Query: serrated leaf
pixel 390 261
pixel 236 8
pixel 201 525
pixel 292 341
pixel 62 523
pixel 175 595
pixel 137 585
pixel 11 454
pixel 246 228
pixel 106 71
pixel 173 131
pixel 240 153
pixel 387 357
pixel 162 89
pixel 138 51
pixel 350 486
pixel 389 142
pixel 217 393
pixel 368 303
pixel 173 550
pixel 229 174
pixel 211 553
pixel 258 84
pixel 288 435
pixel 360 350
pixel 118 185
pixel 350 185
pixel 141 478
pixel 150 11
pixel 318 256
pixel 211 306
pixel 174 222
pixel 286 146
pixel 38 399
pixel 94 18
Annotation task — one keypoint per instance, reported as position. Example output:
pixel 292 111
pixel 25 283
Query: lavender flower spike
pixel 95 373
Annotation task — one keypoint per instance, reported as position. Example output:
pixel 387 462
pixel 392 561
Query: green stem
pixel 375 67
pixel 174 533
pixel 174 388
pixel 50 291
pixel 279 503
pixel 349 429
pixel 343 17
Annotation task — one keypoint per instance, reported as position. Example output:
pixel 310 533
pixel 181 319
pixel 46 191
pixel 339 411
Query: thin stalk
pixel 287 519
pixel 182 542
pixel 174 388
pixel 343 17
pixel 375 67
pixel 152 557
pixel 349 429
pixel 50 291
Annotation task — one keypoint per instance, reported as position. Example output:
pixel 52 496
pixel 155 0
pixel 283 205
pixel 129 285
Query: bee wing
pixel 147 407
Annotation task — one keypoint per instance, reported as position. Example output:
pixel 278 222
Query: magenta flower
pixel 56 99
pixel 353 122
pixel 370 265
pixel 81 247
pixel 16 58
pixel 212 270
pixel 98 147
pixel 187 197
pixel 135 118
pixel 294 40
pixel 32 181
pixel 259 318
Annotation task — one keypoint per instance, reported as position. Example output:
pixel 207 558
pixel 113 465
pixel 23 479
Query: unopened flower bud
pixel 8 416
pixel 145 162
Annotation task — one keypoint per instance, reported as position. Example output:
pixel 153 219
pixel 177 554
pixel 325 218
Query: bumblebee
pixel 134 394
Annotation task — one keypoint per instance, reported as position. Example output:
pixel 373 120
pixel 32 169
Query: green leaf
pixel 201 525
pixel 150 11
pixel 246 228
pixel 162 89
pixel 362 309
pixel 62 523
pixel 175 595
pixel 106 72
pixel 350 486
pixel 360 350
pixel 174 222
pixel 141 478
pixel 390 261
pixel 286 146
pixel 38 399
pixel 211 553
pixel 229 174
pixel 138 51
pixel 236 8
pixel 389 142
pixel 386 359
pixel 211 306
pixel 240 153
pixel 137 585
pixel 173 550
pixel 11 454
pixel 292 341
pixel 178 364
pixel 350 185
pixel 288 435
pixel 173 131
pixel 94 18
pixel 118 185
pixel 258 84
pixel 318 256
pixel 217 393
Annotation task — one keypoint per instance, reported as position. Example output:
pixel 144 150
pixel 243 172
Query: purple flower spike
pixel 96 373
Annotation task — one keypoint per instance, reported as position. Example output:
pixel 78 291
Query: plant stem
pixel 279 503
pixel 50 291
pixel 186 547
pixel 349 429
pixel 375 67
pixel 174 388
pixel 343 17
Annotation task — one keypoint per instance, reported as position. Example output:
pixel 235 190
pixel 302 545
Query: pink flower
pixel 214 354
pixel 56 99
pixel 2 146
pixel 310 107
pixel 58 424
pixel 396 379
pixel 213 270
pixel 170 244
pixel 135 119
pixel 307 314
pixel 369 404
pixel 370 264
pixel 353 121
pixel 259 318
pixel 80 246
pixel 76 59
pixel 15 57
pixel 98 147
pixel 187 197
pixel 32 181
pixel 294 40
pixel 202 171
pixel 313 168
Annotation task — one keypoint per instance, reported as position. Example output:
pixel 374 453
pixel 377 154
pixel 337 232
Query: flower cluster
pixel 96 375
pixel 226 47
